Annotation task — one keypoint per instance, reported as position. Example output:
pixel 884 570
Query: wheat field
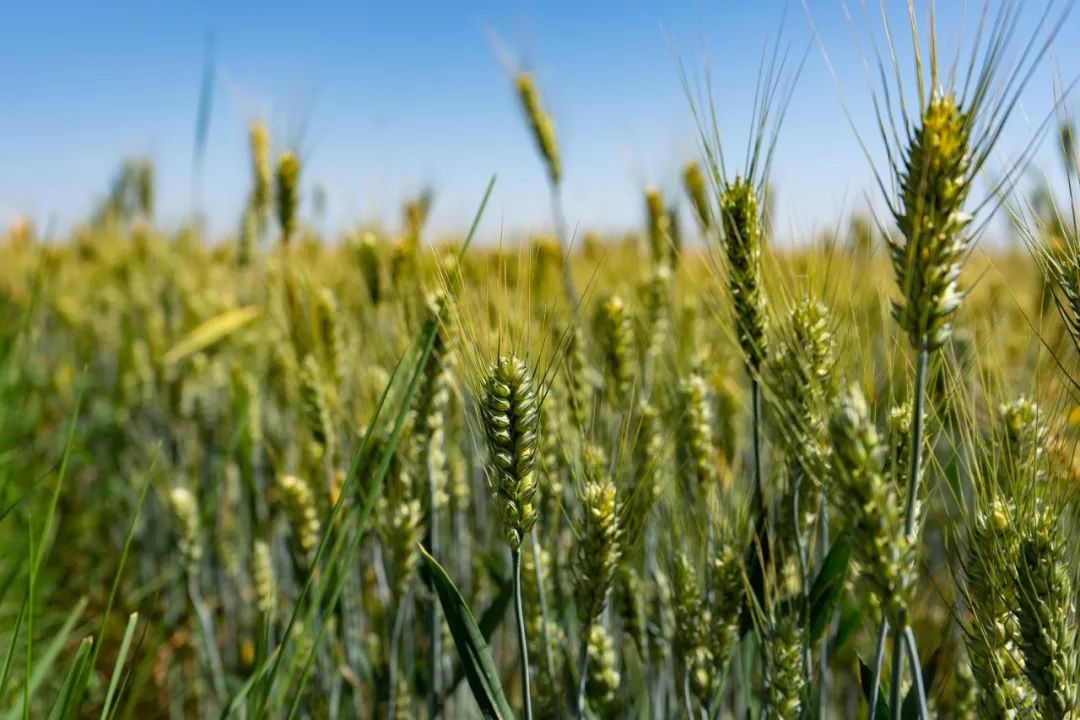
pixel 682 473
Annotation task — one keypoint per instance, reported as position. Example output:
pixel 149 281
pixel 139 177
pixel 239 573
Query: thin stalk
pixel 916 672
pixel 434 626
pixel 686 694
pixel 915 466
pixel 895 694
pixel 914 473
pixel 583 669
pixel 206 624
pixel 804 583
pixel 523 645
pixel 755 399
pixel 879 662
pixel 823 653
pixel 395 643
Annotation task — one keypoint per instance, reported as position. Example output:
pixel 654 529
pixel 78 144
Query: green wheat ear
pixel 288 193
pixel 540 122
pixel 739 213
pixel 872 507
pixel 935 182
pixel 599 546
pixel 260 161
pixel 696 188
pixel 510 410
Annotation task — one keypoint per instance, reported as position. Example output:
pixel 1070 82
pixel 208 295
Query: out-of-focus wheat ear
pixel 1046 612
pixel 697 190
pixel 510 411
pixel 691 638
pixel 659 227
pixel 871 505
pixel 728 597
pixel 787 683
pixel 288 194
pixel 596 554
pixel 695 434
pixel 599 547
pixel 300 503
pixel 1025 435
pixel 602 679
pixel 264 579
pixel 543 129
pixel 317 414
pixel 186 509
pixel 992 633
pixel 615 329
pixel 259 141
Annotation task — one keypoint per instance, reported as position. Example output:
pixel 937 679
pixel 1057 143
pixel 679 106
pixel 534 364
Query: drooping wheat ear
pixel 928 257
pixel 598 546
pixel 728 594
pixel 316 408
pixel 1046 612
pixel 603 673
pixel 1025 438
pixel 300 504
pixel 659 227
pixel 288 193
pixel 992 633
pixel 186 509
pixel 872 506
pixel 741 222
pixel 695 433
pixel 510 411
pixel 260 163
pixel 691 639
pixel 265 581
pixel 696 188
pixel 543 128
pixel 784 692
pixel 616 333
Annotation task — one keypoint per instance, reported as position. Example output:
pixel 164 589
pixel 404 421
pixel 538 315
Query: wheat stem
pixel 523 645
pixel 914 472
pixel 879 662
pixel 916 672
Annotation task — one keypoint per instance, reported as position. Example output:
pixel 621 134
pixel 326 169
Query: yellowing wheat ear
pixel 540 122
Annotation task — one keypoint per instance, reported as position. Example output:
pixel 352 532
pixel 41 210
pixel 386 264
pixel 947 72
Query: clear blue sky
pixel 387 97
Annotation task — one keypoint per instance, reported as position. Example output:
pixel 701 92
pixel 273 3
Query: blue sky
pixel 386 98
